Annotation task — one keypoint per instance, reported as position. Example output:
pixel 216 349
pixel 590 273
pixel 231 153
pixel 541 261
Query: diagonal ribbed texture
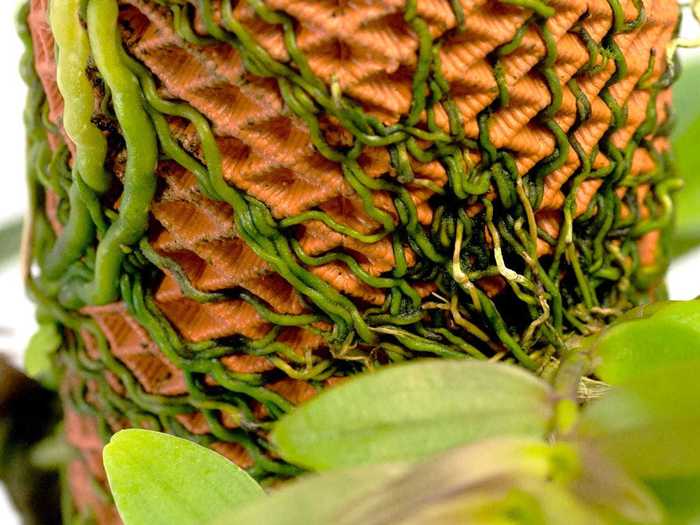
pixel 430 178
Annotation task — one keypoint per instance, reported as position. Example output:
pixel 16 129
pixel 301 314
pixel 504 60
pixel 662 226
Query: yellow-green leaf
pixel 315 499
pixel 413 410
pixel 647 338
pixel 651 423
pixel 499 482
pixel 681 496
pixel 158 479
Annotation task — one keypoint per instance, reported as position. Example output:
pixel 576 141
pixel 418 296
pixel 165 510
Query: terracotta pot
pixel 439 181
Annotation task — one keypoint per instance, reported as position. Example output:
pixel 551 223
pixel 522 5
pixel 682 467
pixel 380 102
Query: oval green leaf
pixel 413 410
pixel 158 479
pixel 648 338
pixel 650 424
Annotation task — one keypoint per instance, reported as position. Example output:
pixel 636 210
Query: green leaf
pixel 499 481
pixel 519 501
pixel 158 479
pixel 10 237
pixel 604 485
pixel 409 411
pixel 481 483
pixel 387 493
pixel 687 110
pixel 681 496
pixel 546 483
pixel 651 424
pixel 315 499
pixel 37 357
pixel 647 338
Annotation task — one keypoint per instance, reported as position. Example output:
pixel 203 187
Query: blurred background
pixel 16 312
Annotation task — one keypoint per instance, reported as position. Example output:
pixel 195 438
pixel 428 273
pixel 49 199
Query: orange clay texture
pixel 367 51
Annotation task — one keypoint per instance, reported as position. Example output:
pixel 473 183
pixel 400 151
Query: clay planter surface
pixel 239 204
